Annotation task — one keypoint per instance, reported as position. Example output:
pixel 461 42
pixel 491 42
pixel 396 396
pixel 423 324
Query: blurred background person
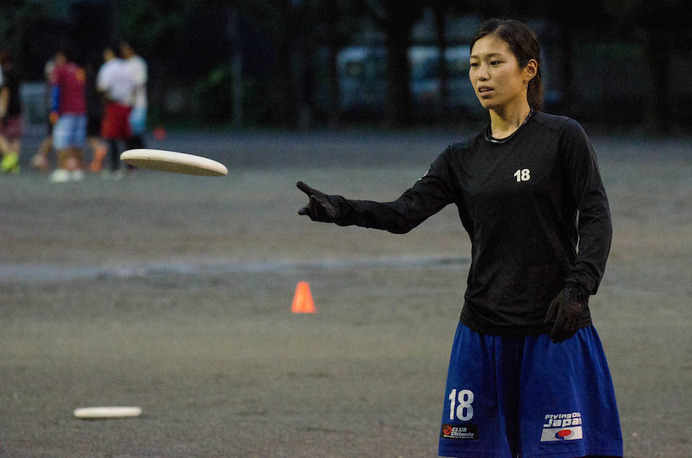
pixel 68 114
pixel 138 116
pixel 117 85
pixel 40 158
pixel 99 149
pixel 10 115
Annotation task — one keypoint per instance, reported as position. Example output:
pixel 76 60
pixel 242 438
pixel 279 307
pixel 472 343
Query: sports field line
pixel 54 272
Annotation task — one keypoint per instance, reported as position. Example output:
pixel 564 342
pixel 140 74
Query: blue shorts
pixel 138 120
pixel 69 131
pixel 529 397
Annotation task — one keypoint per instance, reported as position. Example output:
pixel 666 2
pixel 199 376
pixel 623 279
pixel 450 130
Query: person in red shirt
pixel 68 114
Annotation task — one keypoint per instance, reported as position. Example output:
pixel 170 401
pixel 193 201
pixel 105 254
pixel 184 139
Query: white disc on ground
pixel 107 412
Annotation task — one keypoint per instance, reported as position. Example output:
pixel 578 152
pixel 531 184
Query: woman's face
pixel 495 74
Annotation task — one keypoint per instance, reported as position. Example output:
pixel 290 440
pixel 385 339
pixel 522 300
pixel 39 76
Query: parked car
pixel 425 81
pixel 363 81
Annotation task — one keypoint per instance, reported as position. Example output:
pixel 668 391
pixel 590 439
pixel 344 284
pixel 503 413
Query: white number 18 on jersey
pixel 460 407
pixel 522 175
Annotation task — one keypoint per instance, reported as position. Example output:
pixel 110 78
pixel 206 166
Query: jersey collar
pixel 487 133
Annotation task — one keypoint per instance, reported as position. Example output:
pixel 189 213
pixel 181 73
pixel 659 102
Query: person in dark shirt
pixel 528 375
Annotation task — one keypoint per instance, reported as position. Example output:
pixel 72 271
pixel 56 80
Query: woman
pixel 527 373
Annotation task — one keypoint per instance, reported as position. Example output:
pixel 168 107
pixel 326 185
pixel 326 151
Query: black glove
pixel 320 207
pixel 566 311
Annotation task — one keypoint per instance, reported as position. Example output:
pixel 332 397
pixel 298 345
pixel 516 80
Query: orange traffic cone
pixel 160 133
pixel 302 300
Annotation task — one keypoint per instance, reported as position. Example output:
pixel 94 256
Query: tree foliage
pixel 154 26
pixel 300 29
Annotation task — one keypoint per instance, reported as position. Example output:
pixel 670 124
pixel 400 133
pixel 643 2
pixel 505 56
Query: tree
pixel 155 29
pixel 332 14
pixel 442 10
pixel 325 25
pixel 338 19
pixel 665 24
pixel 396 19
pixel 283 20
pixel 570 17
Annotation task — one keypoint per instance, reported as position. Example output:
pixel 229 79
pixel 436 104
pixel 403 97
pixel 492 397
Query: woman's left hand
pixel 566 311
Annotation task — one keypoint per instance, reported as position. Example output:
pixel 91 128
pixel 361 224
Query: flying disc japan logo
pixel 562 427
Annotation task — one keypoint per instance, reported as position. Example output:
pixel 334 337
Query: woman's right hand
pixel 319 208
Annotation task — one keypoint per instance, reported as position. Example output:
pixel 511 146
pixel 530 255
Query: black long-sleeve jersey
pixel 526 202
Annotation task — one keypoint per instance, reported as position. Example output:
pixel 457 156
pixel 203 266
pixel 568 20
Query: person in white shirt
pixel 138 115
pixel 117 84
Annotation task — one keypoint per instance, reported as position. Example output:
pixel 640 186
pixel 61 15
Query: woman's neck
pixel 505 122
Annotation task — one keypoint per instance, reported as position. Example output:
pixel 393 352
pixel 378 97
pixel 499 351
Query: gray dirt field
pixel 173 293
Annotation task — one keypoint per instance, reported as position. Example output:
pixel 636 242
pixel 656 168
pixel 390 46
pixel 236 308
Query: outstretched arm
pixel 428 196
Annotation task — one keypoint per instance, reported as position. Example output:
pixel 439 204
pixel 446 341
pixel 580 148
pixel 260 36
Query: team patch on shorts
pixel 467 432
pixel 562 427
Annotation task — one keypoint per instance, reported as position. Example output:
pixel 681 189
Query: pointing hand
pixel 319 208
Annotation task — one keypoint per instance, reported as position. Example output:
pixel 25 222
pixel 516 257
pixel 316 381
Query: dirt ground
pixel 173 293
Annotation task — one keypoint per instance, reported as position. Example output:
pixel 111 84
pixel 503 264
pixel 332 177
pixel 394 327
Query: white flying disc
pixel 107 412
pixel 169 161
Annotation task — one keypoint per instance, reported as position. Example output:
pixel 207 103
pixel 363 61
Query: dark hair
pixel 114 47
pixel 523 43
pixel 68 52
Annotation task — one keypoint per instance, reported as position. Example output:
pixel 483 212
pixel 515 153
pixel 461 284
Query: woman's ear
pixel 530 70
